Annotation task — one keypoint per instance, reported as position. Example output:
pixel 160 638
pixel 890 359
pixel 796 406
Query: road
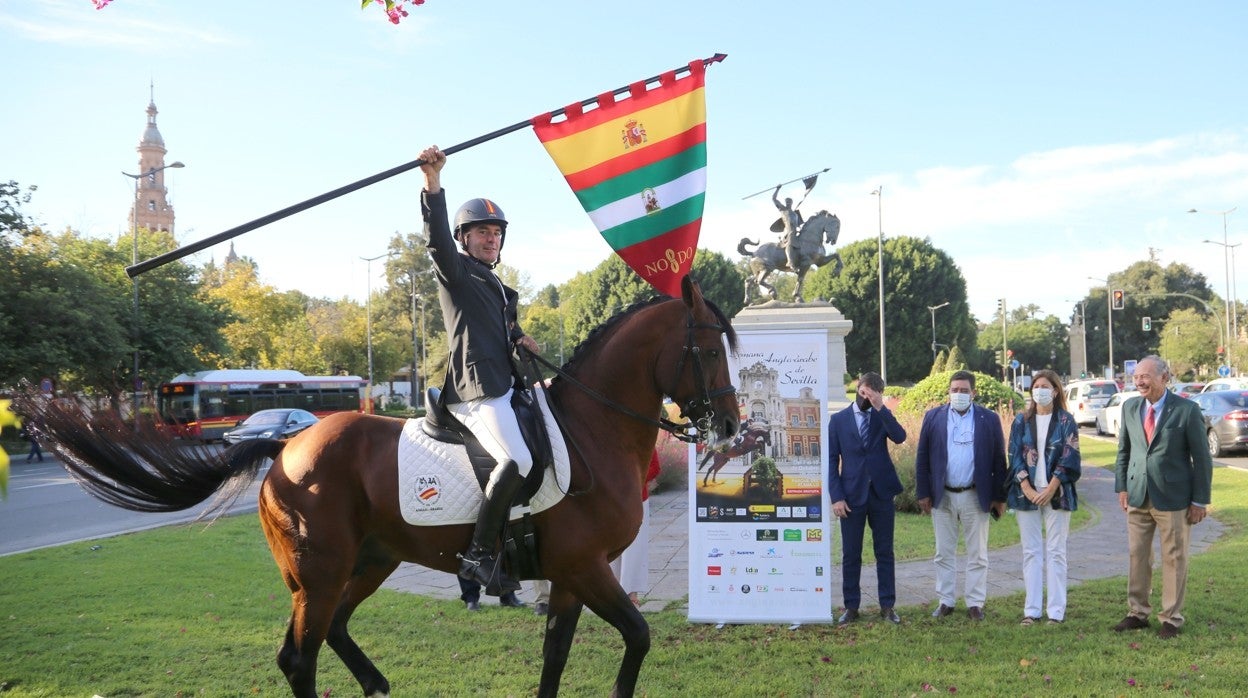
pixel 46 507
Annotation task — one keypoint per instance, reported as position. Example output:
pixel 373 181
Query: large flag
pixel 638 166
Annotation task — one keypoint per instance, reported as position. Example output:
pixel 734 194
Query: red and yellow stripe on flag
pixel 638 166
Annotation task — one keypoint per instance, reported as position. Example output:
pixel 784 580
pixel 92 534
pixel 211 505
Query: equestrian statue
pixel 796 251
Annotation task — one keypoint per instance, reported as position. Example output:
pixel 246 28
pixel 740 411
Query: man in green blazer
pixel 1163 479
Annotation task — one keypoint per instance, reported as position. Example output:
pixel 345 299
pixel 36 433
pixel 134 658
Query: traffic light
pixel 1000 358
pixel 1118 300
pixel 1009 354
pixel 1147 323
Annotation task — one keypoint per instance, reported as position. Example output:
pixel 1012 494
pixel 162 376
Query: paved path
pixel 1095 551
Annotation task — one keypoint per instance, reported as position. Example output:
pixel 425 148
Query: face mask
pixel 960 401
pixel 1042 396
pixel 863 403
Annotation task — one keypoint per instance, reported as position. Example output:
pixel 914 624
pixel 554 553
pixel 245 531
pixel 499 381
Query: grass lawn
pixel 200 611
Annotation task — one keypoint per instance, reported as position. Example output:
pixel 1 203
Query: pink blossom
pixel 100 4
pixel 1130 682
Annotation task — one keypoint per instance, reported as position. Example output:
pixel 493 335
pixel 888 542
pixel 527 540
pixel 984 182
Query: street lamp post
pixel 369 318
pixel 879 194
pixel 1109 313
pixel 134 259
pixel 933 309
pixel 1232 334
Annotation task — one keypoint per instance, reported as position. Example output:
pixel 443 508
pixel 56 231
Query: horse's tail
pixel 741 247
pixel 142 470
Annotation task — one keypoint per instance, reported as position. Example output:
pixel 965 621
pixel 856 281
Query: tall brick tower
pixel 153 210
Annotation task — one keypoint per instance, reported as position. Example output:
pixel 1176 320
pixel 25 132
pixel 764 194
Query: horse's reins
pixel 678 431
pixel 703 397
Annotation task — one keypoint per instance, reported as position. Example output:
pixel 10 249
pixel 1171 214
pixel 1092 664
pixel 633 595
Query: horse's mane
pixel 605 329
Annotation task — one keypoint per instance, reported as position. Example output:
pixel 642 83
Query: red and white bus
pixel 204 405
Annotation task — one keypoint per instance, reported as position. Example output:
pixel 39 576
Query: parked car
pixel 1109 419
pixel 1186 389
pixel 1086 398
pixel 1225 384
pixel 280 423
pixel 1226 419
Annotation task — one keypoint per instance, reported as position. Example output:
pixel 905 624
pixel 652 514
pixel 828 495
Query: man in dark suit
pixel 960 477
pixel 1163 477
pixel 861 488
pixel 480 316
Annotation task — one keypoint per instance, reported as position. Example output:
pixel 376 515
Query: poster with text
pixel 759 538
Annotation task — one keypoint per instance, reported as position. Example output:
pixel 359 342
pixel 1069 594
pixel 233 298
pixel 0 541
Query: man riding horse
pixel 791 220
pixel 480 316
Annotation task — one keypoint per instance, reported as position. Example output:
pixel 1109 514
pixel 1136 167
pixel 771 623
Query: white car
pixel 1109 420
pixel 1225 384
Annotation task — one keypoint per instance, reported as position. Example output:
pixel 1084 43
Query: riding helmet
pixel 480 211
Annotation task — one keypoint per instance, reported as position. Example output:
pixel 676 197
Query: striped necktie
pixel 1150 423
pixel 864 426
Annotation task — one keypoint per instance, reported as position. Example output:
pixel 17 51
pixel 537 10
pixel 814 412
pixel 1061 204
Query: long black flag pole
pixel 764 191
pixel 160 260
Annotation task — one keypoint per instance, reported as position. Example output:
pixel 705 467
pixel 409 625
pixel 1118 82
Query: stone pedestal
pixel 816 317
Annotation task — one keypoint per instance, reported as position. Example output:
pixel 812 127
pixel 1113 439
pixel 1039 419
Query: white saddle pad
pixel 437 486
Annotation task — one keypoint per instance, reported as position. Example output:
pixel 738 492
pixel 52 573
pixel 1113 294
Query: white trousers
pixel 632 567
pixel 1044 559
pixel 961 508
pixel 494 423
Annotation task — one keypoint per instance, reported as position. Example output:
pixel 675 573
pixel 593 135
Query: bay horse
pixel 334 551
pixel 754 439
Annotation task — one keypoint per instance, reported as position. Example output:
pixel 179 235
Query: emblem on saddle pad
pixel 428 490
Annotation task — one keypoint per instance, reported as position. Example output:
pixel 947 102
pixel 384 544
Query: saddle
pixel 519 540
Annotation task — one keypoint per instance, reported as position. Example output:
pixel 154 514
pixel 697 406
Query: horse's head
pixel 699 381
pixel 827 225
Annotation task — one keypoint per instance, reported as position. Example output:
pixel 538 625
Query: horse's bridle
pixel 701 401
pixel 702 395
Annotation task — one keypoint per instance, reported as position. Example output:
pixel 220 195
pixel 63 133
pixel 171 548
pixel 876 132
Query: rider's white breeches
pixel 494 424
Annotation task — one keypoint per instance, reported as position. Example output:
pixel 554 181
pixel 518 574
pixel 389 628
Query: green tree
pixel 916 274
pixel 590 298
pixel 938 364
pixel 1150 291
pixel 59 320
pixel 1188 342
pixel 1036 343
pixel 176 325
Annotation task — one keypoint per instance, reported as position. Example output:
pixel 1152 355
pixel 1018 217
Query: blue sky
pixel 1037 144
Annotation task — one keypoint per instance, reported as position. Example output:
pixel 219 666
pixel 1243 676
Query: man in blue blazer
pixel 960 477
pixel 861 490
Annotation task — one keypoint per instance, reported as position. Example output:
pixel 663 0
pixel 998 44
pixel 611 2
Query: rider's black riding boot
pixel 480 563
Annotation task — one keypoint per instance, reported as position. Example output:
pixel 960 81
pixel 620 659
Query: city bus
pixel 204 405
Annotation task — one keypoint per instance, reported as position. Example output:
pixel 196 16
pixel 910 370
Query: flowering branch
pixel 395 9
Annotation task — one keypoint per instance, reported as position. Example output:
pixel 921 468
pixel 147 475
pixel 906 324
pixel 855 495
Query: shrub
pixel 934 390
pixel 939 364
pixel 673 463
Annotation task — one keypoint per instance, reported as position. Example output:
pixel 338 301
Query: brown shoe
pixel 942 611
pixel 1168 631
pixel 1131 623
pixel 975 613
pixel 890 615
pixel 849 616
